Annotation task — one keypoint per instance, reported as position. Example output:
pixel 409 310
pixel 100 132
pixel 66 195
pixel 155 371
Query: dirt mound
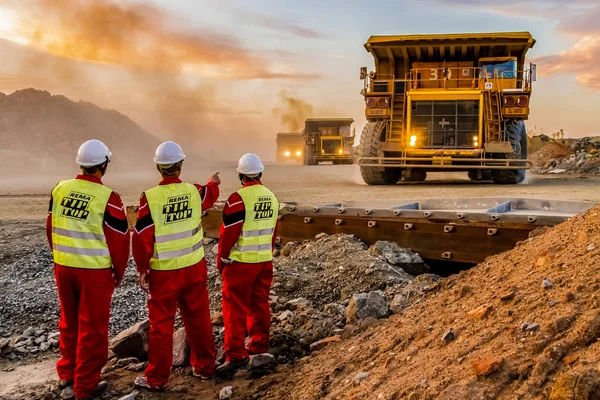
pixel 313 282
pixel 534 143
pixel 547 156
pixel 565 156
pixel 40 133
pixel 523 324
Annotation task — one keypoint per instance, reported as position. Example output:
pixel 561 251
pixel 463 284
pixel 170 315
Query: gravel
pixel 28 295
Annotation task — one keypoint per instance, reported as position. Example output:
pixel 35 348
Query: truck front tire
pixel 372 136
pixel 517 135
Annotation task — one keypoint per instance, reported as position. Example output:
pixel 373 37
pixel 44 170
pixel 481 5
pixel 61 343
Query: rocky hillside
pixel 40 133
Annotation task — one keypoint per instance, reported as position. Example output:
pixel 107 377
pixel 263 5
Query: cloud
pixel 583 59
pixel 138 37
pixel 584 21
pixel 578 19
pixel 280 25
pixel 533 8
pixel 335 55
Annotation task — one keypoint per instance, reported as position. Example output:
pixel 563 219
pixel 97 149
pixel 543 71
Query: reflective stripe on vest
pixel 255 243
pixel 176 210
pixel 78 239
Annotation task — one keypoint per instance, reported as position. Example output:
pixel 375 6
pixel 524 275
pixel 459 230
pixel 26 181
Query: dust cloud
pixel 293 111
pixel 140 37
pixel 146 63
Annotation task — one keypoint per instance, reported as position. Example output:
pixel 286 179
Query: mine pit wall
pixel 453 239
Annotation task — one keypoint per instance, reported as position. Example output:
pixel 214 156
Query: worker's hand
pixel 144 280
pixel 215 178
pixel 117 279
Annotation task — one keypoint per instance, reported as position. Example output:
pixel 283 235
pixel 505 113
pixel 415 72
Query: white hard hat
pixel 92 153
pixel 250 164
pixel 168 153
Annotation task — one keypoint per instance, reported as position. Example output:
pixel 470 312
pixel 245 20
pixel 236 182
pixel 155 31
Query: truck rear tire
pixel 372 136
pixel 517 135
pixel 486 175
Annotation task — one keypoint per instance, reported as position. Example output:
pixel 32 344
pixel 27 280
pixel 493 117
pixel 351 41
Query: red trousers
pixel 246 289
pixel 85 296
pixel 185 288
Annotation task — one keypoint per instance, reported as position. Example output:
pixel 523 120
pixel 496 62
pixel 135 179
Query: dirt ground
pixel 23 204
pixel 27 198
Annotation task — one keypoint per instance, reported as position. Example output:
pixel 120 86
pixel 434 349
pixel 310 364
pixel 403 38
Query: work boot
pixel 141 382
pixel 204 377
pixel 231 366
pixel 102 386
pixel 65 383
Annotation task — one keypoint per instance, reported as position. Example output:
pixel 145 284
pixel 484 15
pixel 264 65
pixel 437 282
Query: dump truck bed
pixel 394 55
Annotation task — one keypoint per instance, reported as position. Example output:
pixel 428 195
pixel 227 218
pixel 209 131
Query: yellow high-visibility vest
pixel 255 244
pixel 176 210
pixel 78 239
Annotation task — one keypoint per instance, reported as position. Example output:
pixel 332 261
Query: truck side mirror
pixel 363 73
pixel 533 69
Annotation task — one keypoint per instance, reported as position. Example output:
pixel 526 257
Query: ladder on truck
pixel 398 112
pixel 493 121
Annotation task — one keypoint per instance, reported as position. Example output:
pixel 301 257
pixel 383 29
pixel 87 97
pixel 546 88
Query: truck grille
pixel 331 146
pixel 445 123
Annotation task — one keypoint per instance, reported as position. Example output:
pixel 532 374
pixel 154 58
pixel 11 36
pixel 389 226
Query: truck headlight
pixel 298 153
pixel 287 153
pixel 413 141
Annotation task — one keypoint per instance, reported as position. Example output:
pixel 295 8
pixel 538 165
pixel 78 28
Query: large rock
pixel 181 349
pixel 399 303
pixel 226 393
pixel 132 342
pixel 400 257
pixel 365 305
pixel 260 360
pixel 300 304
pixel 480 312
pixel 570 386
pixel 487 366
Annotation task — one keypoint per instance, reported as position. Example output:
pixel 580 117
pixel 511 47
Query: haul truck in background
pixel 446 103
pixel 290 147
pixel 328 139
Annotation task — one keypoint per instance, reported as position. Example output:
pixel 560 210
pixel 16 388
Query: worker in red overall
pixel 89 235
pixel 245 260
pixel 168 251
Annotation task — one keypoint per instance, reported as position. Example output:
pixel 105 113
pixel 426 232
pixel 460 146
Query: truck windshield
pixel 504 69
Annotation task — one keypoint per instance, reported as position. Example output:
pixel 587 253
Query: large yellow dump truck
pixel 290 147
pixel 446 103
pixel 328 139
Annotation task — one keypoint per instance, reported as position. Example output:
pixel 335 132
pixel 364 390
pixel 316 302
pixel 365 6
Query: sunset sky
pixel 216 70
